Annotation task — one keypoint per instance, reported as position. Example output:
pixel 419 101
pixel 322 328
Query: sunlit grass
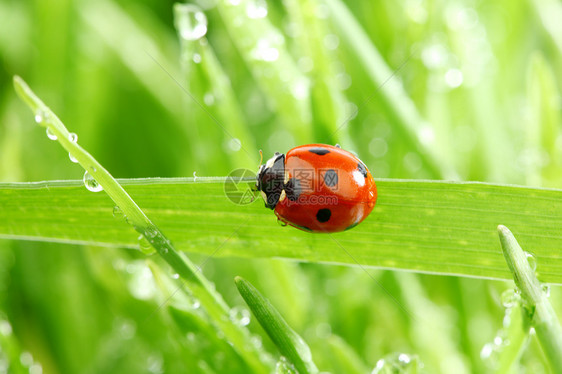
pixel 475 96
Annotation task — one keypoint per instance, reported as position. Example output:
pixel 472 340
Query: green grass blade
pixel 289 343
pixel 395 99
pixel 544 319
pixel 151 235
pixel 425 226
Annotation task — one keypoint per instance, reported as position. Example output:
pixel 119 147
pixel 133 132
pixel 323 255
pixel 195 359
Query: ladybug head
pixel 270 179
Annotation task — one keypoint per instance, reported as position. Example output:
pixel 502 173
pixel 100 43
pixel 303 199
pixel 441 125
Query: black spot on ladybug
pixel 319 151
pixel 362 168
pixel 330 178
pixel 323 215
pixel 293 189
pixel 351 226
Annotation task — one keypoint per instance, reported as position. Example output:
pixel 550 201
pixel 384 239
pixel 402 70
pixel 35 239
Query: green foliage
pixel 420 90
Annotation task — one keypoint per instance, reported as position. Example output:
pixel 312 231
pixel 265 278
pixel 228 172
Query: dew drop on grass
pixel 5 328
pixel 510 298
pixel 151 232
pixel 73 137
pixel 398 363
pixel 36 368
pixel 196 58
pixel 546 290
pixel 26 359
pixel 50 134
pixel 127 329
pixel 284 367
pixel 117 212
pixel 256 9
pixel 175 276
pixel 144 245
pixel 190 21
pixel 265 51
pixel 531 259
pixel 240 316
pixel 41 116
pixel 281 223
pixel 141 281
pixel 72 158
pixel 209 99
pixel 91 184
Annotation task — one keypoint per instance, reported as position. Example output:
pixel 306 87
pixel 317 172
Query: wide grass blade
pixel 424 226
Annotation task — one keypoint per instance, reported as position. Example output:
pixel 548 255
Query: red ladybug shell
pixel 324 189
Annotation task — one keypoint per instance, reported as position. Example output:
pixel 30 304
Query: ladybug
pixel 317 188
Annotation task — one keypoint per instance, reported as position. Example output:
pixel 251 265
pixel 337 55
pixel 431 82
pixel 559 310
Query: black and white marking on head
pixel 319 151
pixel 362 168
pixel 323 215
pixel 293 189
pixel 330 178
pixel 270 179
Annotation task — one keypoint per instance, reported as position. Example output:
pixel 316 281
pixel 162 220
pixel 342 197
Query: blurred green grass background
pixel 475 96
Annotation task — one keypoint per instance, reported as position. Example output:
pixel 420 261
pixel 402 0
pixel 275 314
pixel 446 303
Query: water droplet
pixel 151 232
pixel 486 351
pixel 91 184
pixel 240 316
pixel 40 116
pixel 117 212
pixel 50 134
pixel 191 337
pixel 126 328
pixel 281 223
pixel 435 56
pixel 454 78
pixel 141 281
pixel 331 41
pixel 175 276
pixel 265 51
pixel 398 363
pixel 155 363
pixel 256 9
pixel 196 58
pixel 144 245
pixel 26 359
pixel 343 80
pixel 300 89
pixel 305 64
pixel 234 144
pixel 284 367
pixel 209 99
pixel 378 147
pixel 531 259
pixel 72 158
pixel 5 328
pixel 73 137
pixel 426 135
pixel 546 290
pixel 36 368
pixel 510 298
pixel 190 21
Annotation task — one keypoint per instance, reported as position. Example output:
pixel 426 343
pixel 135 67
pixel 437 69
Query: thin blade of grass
pixel 289 343
pixel 543 317
pixel 424 226
pixel 391 93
